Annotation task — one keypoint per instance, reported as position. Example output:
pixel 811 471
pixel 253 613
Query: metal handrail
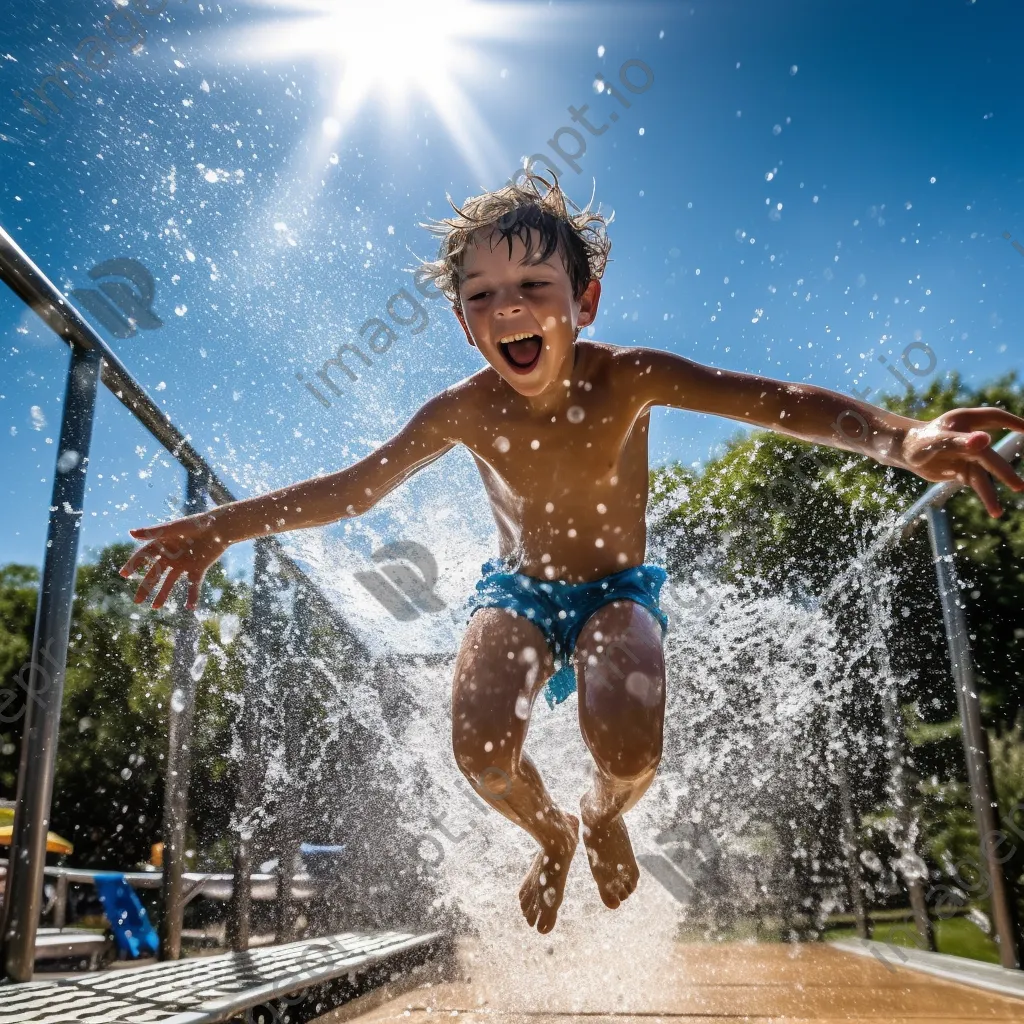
pixel 215 884
pixel 930 508
pixel 33 287
pixel 91 361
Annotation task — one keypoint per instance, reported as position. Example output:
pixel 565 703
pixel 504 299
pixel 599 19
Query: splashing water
pixel 736 825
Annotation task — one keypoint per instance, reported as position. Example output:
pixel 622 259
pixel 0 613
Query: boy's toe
pixel 530 911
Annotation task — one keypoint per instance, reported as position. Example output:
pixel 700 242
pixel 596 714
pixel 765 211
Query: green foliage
pixel 18 588
pixel 992 551
pixel 108 788
pixel 950 825
pixel 957 936
pixel 775 515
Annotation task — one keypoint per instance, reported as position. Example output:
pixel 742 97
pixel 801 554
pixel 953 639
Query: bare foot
pixel 540 895
pixel 611 859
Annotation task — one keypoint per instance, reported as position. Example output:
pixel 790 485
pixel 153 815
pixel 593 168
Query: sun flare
pixel 390 51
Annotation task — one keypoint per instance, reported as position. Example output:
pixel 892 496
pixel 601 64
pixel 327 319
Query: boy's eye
pixel 534 284
pixel 479 295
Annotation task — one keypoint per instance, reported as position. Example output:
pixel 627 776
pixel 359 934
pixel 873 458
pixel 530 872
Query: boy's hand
pixel 955 446
pixel 188 546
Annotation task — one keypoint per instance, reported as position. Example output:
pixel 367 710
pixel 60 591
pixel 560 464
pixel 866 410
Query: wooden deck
pixel 696 983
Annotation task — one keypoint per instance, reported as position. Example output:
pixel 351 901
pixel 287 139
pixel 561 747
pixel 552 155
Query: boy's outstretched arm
pixel 953 446
pixel 189 546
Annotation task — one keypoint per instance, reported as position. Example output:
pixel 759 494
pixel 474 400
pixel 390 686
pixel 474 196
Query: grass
pixel 957 936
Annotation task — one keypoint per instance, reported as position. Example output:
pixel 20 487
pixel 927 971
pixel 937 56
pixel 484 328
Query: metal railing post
pixel 293 694
pixel 60 906
pixel 979 770
pixel 240 906
pixel 179 740
pixel 45 689
pixel 19 914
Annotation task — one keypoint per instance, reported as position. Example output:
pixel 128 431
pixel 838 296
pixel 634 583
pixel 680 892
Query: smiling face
pixel 522 316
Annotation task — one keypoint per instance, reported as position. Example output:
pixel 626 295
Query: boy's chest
pixel 586 449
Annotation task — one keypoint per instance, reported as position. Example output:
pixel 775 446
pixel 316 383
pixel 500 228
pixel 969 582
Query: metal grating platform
pixel 202 990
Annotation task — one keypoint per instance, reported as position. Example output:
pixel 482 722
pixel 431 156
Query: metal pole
pixel 289 820
pixel 45 688
pixel 179 738
pixel 979 770
pixel 60 908
pixel 240 907
pixel 33 287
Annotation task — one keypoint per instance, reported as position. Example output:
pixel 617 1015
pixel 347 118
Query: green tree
pixel 772 515
pixel 108 786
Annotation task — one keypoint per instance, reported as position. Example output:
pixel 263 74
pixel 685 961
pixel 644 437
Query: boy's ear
pixel 462 320
pixel 589 301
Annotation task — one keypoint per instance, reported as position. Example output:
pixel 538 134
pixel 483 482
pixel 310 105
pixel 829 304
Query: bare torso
pixel 568 488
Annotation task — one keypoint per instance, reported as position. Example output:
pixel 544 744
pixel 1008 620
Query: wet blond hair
pixel 545 221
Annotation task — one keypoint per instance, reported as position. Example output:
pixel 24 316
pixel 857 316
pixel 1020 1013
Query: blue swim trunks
pixel 562 609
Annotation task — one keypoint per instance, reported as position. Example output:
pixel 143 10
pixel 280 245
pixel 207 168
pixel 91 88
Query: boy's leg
pixel 502 665
pixel 620 670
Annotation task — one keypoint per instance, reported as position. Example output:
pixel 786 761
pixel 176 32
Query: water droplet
pixel 575 414
pixel 871 861
pixel 911 866
pixel 229 626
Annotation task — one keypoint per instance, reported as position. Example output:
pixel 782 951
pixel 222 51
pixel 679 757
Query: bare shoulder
pixel 621 358
pixel 451 411
pixel 634 369
pixel 599 359
pixel 639 359
pixel 646 377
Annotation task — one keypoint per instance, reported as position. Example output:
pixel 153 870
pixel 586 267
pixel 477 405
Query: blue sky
pixel 802 189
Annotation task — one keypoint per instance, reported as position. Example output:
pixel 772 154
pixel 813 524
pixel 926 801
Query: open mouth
pixel 521 350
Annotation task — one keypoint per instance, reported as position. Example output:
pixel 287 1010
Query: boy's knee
pixel 628 762
pixel 481 761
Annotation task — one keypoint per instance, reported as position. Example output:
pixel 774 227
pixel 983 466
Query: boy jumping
pixel 558 428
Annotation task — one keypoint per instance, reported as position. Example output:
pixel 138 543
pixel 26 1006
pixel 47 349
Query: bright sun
pixel 372 49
